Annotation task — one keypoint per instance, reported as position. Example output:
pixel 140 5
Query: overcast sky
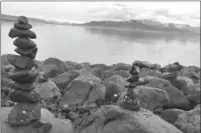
pixel 177 12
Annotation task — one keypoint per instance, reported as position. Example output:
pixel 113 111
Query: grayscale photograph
pixel 100 67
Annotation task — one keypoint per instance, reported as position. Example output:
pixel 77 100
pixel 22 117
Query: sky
pixel 175 12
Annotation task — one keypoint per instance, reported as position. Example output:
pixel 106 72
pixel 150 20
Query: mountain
pixel 36 20
pixel 144 25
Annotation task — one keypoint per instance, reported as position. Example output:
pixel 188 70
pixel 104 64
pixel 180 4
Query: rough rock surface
pixel 58 125
pixel 171 115
pixel 113 119
pixel 189 121
pixel 177 98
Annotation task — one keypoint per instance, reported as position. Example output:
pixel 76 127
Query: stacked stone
pixel 131 100
pixel 27 109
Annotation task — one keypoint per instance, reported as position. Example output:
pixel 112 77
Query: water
pixel 104 45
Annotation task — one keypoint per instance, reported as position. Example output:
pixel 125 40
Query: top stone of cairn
pixel 22 20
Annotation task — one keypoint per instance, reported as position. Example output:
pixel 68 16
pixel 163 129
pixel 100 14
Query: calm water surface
pixel 103 45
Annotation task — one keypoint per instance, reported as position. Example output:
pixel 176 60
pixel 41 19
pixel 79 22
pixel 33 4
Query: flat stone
pixel 14 32
pixel 24 43
pixel 22 20
pixel 25 76
pixel 25 96
pixel 24 86
pixel 24 113
pixel 21 62
pixel 30 53
pixel 22 26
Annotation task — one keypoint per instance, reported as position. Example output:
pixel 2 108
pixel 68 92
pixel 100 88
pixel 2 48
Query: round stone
pixel 22 20
pixel 24 43
pixel 133 78
pixel 25 96
pixel 22 26
pixel 24 113
pixel 14 32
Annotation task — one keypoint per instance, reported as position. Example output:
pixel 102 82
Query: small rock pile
pixel 27 109
pixel 131 100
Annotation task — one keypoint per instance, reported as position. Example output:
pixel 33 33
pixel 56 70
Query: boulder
pixel 47 90
pixel 184 84
pixel 177 98
pixel 14 32
pixel 191 72
pixel 24 43
pixel 62 80
pixel 97 94
pixel 121 66
pixel 119 81
pixel 58 63
pixel 122 73
pixel 58 125
pixel 171 115
pixel 78 90
pixel 50 70
pixel 98 72
pixel 189 121
pixel 109 73
pixel 4 60
pixel 149 72
pixel 22 26
pixel 145 64
pixel 194 96
pixel 69 65
pixel 170 76
pixel 103 66
pixel 152 98
pixel 113 119
pixel 171 68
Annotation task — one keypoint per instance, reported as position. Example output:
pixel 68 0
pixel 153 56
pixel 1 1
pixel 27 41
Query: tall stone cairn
pixel 131 100
pixel 27 109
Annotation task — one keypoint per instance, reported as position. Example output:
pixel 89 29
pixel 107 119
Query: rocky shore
pixel 86 98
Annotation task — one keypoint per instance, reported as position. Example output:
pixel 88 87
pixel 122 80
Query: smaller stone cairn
pixel 131 100
pixel 27 110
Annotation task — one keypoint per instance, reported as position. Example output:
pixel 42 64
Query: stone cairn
pixel 27 110
pixel 131 100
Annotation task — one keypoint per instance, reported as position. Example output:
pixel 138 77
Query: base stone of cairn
pixel 131 100
pixel 28 108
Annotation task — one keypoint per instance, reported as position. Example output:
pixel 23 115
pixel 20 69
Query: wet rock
pixel 152 98
pixel 21 62
pixel 79 90
pixel 25 76
pixel 62 80
pixel 21 33
pixel 47 90
pixel 171 115
pixel 24 113
pixel 24 43
pixel 31 53
pixel 189 121
pixel 24 96
pixel 58 63
pixel 58 125
pixel 184 84
pixel 22 26
pixel 22 20
pixel 177 98
pixel 113 119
